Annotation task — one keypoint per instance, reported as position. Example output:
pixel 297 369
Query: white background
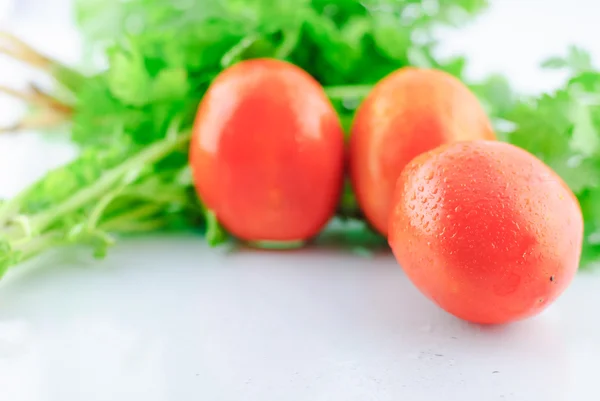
pixel 166 319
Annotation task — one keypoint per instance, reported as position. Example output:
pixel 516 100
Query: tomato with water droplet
pixel 494 255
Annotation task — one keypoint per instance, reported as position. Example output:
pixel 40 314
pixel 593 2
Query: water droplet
pixel 445 179
pixel 457 209
pixel 435 191
pixel 421 189
pixel 426 224
pixel 429 176
pixel 413 196
pixel 423 200
pixel 411 206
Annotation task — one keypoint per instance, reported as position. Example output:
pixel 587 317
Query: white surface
pixel 166 319
pixel 6 7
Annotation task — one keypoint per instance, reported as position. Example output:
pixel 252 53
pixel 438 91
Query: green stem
pixel 35 247
pixel 10 208
pixel 142 212
pixel 277 245
pixel 236 51
pixel 146 194
pixel 215 234
pixel 348 91
pixel 289 43
pixel 148 156
pixel 130 227
pixel 100 207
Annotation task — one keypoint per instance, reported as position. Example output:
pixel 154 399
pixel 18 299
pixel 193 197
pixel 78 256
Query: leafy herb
pixel 121 190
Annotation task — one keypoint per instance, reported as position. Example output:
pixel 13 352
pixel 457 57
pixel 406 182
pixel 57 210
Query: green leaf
pixel 391 41
pixel 496 95
pixel 585 137
pixel 555 63
pixel 588 81
pixel 215 234
pixel 128 78
pixel 420 57
pixel 455 66
pixel 170 84
pixel 577 61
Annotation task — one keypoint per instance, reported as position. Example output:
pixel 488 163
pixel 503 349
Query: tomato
pixel 486 230
pixel 267 152
pixel 409 112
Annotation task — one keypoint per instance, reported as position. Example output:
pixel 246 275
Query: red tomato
pixel 486 230
pixel 409 112
pixel 267 152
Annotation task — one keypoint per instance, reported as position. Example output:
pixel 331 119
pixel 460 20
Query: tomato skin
pixel 409 112
pixel 486 230
pixel 267 152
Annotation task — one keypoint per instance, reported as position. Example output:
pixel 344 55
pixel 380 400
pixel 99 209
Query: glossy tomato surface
pixel 409 112
pixel 486 230
pixel 267 152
